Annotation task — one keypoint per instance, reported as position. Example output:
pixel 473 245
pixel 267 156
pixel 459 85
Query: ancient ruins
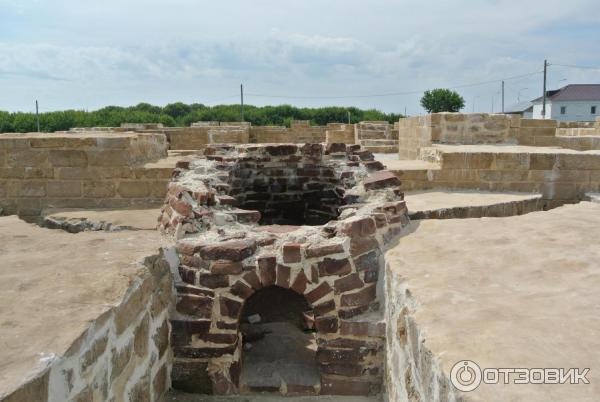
pixel 149 263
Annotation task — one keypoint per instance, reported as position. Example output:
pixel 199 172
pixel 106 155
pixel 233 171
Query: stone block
pixel 283 276
pixel 109 158
pixel 233 250
pixel 292 252
pixel 225 267
pixel 324 308
pixel 71 188
pixel 133 189
pixel 380 180
pixel 213 281
pixel 358 227
pixel 68 158
pixel 99 189
pixel 347 283
pixel 199 306
pixel 315 250
pixel 359 298
pixel 300 283
pixel 318 293
pixel 229 307
pixel 23 158
pixel 242 290
pixel 326 324
pixel 267 269
pixel 120 359
pixel 362 328
pixel 31 189
pixel 330 266
pixel 140 337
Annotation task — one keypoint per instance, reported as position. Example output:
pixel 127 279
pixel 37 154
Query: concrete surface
pixel 138 219
pixel 53 283
pixel 519 292
pixel 433 200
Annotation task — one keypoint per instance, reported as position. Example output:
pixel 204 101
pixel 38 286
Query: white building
pixel 580 102
pixel 523 109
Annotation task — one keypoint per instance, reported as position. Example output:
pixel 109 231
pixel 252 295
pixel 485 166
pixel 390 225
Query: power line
pixel 575 66
pixel 394 93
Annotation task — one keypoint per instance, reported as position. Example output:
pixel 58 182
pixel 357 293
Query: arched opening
pixel 279 347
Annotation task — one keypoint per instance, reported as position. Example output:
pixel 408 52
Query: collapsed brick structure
pixel 225 257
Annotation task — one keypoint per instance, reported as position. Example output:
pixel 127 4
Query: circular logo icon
pixel 465 375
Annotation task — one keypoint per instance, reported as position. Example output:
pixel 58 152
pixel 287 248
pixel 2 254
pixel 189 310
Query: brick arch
pixel 334 266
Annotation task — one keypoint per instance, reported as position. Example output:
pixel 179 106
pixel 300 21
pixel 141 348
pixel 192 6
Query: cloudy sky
pixel 86 54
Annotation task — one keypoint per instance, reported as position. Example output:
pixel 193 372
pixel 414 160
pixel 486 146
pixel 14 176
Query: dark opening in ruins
pixel 289 195
pixel 279 346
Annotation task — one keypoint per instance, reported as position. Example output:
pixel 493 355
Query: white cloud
pixel 88 54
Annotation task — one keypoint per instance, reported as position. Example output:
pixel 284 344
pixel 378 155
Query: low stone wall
pixel 413 373
pixel 87 170
pixel 482 128
pixel 560 176
pixel 198 136
pixel 123 355
pixel 340 133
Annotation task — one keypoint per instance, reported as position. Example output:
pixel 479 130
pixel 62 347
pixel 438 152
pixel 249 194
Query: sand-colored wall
pixel 483 128
pixel 67 170
pixel 559 176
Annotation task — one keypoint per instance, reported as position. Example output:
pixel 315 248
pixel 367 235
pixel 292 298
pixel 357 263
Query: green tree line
pixel 180 115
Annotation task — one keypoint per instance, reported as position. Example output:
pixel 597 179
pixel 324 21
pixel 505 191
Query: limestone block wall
pixel 300 131
pixel 560 176
pixel 340 133
pixel 482 128
pixel 79 170
pixel 413 373
pixel 372 130
pixel 123 355
pixel 198 136
pixel 414 133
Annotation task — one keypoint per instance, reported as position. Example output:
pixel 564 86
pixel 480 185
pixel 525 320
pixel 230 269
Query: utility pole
pixel 544 95
pixel 502 96
pixel 348 117
pixel 37 116
pixel 242 100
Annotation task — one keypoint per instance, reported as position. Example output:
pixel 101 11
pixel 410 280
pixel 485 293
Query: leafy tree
pixel 177 109
pixel 180 114
pixel 442 100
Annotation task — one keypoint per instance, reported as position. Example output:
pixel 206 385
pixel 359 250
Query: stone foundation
pixel 226 258
pixel 123 355
pixel 86 170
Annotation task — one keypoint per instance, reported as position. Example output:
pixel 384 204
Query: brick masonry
pixel 226 257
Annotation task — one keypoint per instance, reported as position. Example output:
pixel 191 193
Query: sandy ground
pixel 175 396
pixel 518 292
pixel 53 283
pixel 417 201
pixel 140 219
